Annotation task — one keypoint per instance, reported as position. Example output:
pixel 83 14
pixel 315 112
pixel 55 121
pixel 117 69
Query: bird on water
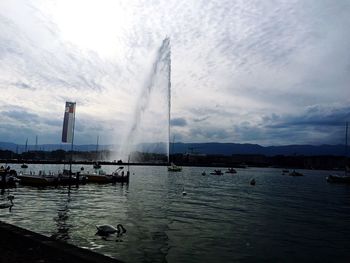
pixel 8 204
pixel 108 229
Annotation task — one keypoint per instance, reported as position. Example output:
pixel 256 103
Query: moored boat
pixel 43 178
pixel 345 179
pixel 174 168
pixel 295 173
pixel 66 178
pixel 120 176
pixel 334 178
pixel 217 172
pixel 231 171
pixel 38 179
pixel 101 176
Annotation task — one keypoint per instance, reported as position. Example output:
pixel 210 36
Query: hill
pixel 212 148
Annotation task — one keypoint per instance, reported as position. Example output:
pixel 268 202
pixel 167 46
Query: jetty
pixel 23 246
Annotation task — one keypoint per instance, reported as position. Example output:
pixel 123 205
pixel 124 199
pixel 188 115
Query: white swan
pixel 108 229
pixel 7 204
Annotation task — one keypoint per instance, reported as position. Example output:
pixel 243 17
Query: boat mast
pixel 346 140
pixel 71 151
pixel 36 143
pixel 97 148
pixel 346 147
pixel 26 147
pixel 172 146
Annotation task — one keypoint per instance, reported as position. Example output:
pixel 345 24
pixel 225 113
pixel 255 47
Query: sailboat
pixel 173 167
pixel 96 164
pixel 345 179
pixel 24 165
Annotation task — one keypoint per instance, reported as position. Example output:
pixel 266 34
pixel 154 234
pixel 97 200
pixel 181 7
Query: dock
pixel 20 245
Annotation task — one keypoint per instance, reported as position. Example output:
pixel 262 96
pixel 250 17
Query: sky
pixel 265 72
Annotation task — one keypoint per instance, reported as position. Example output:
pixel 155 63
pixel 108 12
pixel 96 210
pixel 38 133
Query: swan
pixel 8 204
pixel 108 229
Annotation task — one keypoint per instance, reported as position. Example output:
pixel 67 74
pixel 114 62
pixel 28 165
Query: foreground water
pixel 221 219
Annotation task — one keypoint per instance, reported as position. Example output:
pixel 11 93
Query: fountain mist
pixel 150 123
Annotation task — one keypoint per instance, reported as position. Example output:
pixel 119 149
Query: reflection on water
pixel 61 220
pixel 221 219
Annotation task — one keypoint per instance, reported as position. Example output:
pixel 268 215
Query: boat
pixel 120 176
pixel 231 171
pixel 24 166
pixel 295 173
pixel 43 178
pixel 285 171
pixel 97 165
pixel 38 179
pixel 65 178
pixel 217 172
pixel 102 177
pixel 334 178
pixel 174 168
pixel 345 179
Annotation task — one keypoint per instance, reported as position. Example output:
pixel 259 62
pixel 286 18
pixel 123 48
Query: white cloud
pixel 233 64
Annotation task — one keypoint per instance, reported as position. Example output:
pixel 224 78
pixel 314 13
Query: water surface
pixel 221 219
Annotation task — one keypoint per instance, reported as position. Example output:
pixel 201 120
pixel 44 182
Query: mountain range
pixel 196 148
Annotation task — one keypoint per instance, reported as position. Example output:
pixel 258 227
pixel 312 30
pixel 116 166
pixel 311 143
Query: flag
pixel 68 122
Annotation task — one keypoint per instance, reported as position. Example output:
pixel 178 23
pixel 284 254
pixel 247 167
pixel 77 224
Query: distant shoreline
pixel 185 164
pixel 11 161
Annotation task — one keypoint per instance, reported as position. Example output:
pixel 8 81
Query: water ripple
pixel 221 219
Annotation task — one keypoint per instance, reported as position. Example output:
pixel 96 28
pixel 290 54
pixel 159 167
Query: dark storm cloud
pixel 180 122
pixel 313 116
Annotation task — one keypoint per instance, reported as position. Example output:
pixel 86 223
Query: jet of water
pixel 160 79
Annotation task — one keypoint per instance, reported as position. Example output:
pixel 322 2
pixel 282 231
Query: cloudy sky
pixel 267 72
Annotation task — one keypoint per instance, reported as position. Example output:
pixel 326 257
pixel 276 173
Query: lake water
pixel 221 219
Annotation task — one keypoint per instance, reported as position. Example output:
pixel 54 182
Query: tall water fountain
pixel 152 110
